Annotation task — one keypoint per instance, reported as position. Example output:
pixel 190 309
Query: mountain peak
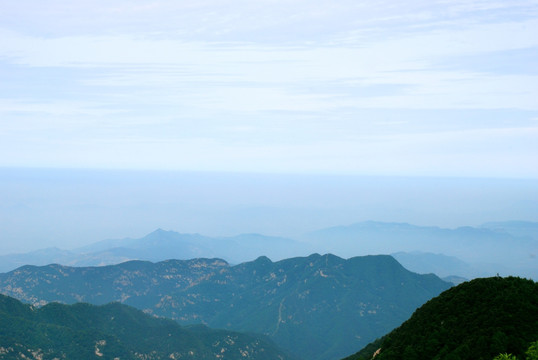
pixel 263 260
pixel 161 231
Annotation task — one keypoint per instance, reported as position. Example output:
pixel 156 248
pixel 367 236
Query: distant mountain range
pixel 441 265
pixel 506 248
pixel 315 307
pixel 116 331
pixel 476 320
pixel 162 245
pixel 466 243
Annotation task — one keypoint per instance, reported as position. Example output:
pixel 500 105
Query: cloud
pixel 292 77
pixel 218 73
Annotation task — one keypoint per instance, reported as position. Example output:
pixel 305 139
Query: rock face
pixel 317 307
pixel 116 331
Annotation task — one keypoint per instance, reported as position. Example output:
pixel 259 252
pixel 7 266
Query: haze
pixel 278 117
pixel 70 208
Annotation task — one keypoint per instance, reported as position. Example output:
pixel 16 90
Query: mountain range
pixel 161 245
pixel 316 307
pixel 507 248
pixel 467 243
pixel 116 331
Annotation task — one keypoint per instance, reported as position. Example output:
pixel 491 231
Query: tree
pixel 532 352
pixel 505 357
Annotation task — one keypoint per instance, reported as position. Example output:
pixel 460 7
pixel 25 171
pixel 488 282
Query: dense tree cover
pixel 532 351
pixel 319 307
pixel 530 354
pixel 505 356
pixel 84 331
pixel 477 320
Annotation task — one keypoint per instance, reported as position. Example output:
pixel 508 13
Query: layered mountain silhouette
pixel 116 331
pixel 476 320
pixel 439 264
pixel 162 245
pixel 507 248
pixel 315 307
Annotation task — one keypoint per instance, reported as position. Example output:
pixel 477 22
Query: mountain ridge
pixel 302 303
pixel 113 331
pixel 509 248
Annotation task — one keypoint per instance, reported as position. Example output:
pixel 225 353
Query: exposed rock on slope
pixel 116 331
pixel 318 307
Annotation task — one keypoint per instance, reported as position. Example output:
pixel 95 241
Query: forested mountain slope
pixel 475 320
pixel 116 331
pixel 318 307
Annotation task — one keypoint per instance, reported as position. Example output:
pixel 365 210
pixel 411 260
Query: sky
pixel 400 88
pixel 278 117
pixel 68 208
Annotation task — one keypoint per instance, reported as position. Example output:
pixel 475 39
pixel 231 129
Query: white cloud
pixel 251 78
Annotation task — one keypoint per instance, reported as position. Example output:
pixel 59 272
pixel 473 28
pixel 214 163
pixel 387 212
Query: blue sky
pixel 437 88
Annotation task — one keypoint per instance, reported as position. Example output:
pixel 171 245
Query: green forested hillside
pixel 474 320
pixel 319 307
pixel 112 331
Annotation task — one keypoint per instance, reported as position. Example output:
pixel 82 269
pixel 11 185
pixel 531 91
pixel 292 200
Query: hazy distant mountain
pixel 454 279
pixel 317 307
pixel 491 251
pixel 156 241
pixel 116 331
pixel 476 320
pixel 518 228
pixel 38 257
pixel 506 248
pixel 439 264
pixel 162 245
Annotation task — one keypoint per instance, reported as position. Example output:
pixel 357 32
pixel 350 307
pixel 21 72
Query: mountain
pixel 116 331
pixel 517 228
pixel 162 245
pixel 316 307
pixel 489 250
pixel 454 279
pixel 506 248
pixel 38 257
pixel 439 264
pixel 478 320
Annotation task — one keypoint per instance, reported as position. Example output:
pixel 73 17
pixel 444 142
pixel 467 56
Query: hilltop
pixel 475 320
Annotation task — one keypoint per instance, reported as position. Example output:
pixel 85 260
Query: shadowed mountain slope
pixel 116 331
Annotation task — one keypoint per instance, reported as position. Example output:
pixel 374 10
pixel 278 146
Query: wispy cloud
pixel 267 73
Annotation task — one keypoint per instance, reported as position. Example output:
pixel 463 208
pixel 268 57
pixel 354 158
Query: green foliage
pixel 475 320
pixel 318 307
pixel 505 357
pixel 84 331
pixel 532 351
